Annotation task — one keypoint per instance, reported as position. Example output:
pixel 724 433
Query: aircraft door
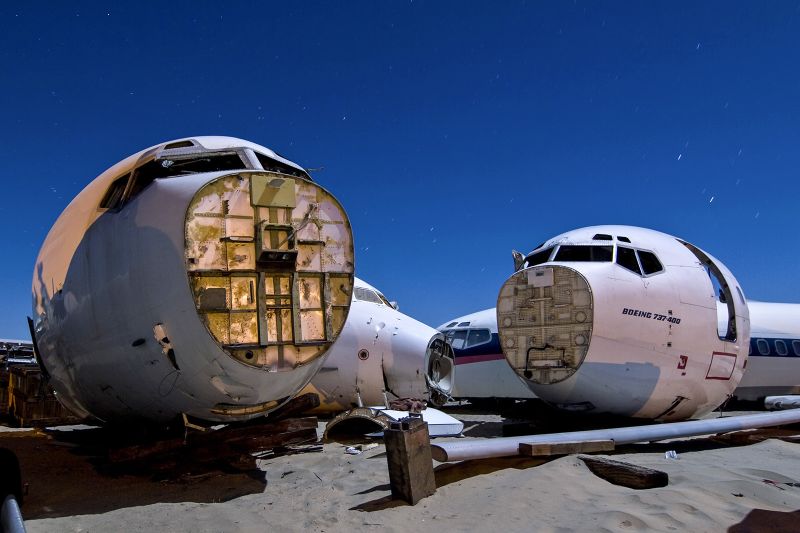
pixel 733 324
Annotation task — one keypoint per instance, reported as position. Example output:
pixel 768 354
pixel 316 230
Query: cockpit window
pixel 368 295
pixel 457 338
pixel 601 237
pixel 569 252
pixel 537 258
pixel 478 336
pixel 276 166
pixel 165 168
pixel 113 197
pixel 626 258
pixel 650 263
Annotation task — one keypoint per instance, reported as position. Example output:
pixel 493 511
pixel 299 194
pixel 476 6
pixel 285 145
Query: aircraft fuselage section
pixel 594 335
pixel 189 298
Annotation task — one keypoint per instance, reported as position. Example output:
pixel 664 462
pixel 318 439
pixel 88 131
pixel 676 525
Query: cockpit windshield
pixel 537 258
pixel 165 168
pixel 364 294
pixel 571 252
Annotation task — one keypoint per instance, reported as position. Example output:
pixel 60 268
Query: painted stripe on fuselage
pixel 467 359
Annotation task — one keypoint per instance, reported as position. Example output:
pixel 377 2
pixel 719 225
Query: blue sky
pixel 451 132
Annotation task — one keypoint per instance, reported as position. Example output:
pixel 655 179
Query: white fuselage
pixel 382 354
pixel 482 368
pixel 623 320
pixel 164 301
pixel 773 367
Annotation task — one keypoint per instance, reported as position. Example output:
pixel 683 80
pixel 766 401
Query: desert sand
pixel 714 484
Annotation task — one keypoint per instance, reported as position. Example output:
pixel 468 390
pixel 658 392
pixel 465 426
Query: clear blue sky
pixel 452 132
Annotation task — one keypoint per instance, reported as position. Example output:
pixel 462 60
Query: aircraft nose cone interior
pixel 544 319
pixel 440 369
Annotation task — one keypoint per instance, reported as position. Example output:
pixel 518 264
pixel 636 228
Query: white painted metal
pixel 440 424
pixel 779 403
pixel 654 349
pixel 772 374
pixel 107 285
pixel 381 349
pixel 11 517
pixel 482 368
pixel 764 375
pixel 464 450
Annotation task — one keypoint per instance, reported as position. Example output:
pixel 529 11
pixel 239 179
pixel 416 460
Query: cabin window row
pixel 775 347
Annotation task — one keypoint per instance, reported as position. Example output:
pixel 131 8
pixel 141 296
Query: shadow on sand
pixel 66 473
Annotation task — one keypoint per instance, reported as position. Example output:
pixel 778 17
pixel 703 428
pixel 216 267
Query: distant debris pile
pixel 26 400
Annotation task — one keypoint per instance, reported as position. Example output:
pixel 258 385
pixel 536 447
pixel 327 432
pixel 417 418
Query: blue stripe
pixel 792 347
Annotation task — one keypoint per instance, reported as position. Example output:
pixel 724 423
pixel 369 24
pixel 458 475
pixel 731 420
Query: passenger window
pixel 478 336
pixel 537 258
pixel 626 258
pixel 568 252
pixel 113 197
pixel 650 263
pixel 780 347
pixel 796 347
pixel 763 347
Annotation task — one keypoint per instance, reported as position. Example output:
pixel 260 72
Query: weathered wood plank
pixel 296 406
pixel 626 474
pixel 408 454
pixel 566 448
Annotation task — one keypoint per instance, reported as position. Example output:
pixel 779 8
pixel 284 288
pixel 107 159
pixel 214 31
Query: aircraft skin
pixel 624 320
pixel 773 367
pixel 773 364
pixel 205 276
pixel 482 368
pixel 381 349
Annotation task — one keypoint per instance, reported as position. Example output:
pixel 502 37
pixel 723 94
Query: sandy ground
pixel 714 484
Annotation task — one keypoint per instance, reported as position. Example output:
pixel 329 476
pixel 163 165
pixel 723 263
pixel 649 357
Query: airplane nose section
pixel 439 369
pixel 544 320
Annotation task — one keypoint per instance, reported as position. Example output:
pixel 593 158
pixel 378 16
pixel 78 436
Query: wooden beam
pixel 626 474
pixel 566 448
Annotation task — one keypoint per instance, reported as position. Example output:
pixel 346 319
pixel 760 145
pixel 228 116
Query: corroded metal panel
pixel 544 319
pixel 270 260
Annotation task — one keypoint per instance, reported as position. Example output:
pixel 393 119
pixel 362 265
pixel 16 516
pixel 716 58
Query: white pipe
pixel 11 517
pixel 463 450
pixel 778 403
